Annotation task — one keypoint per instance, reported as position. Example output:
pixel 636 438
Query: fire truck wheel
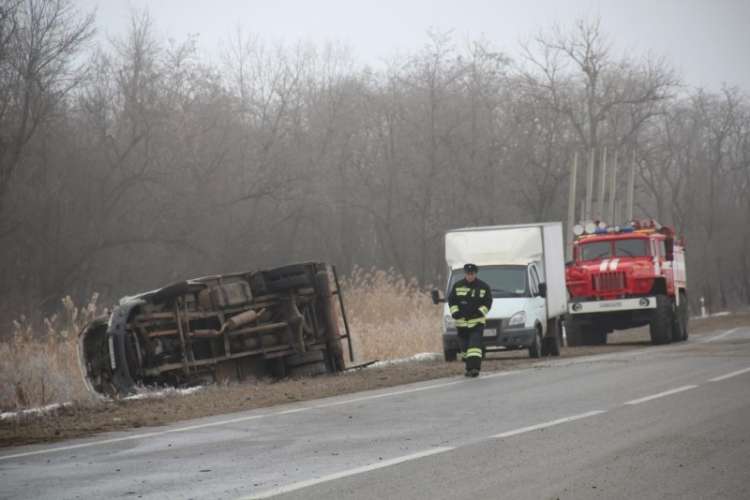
pixel 573 334
pixel 685 314
pixel 679 327
pixel 595 336
pixel 535 349
pixel 660 326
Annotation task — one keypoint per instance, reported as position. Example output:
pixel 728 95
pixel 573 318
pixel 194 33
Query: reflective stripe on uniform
pixel 481 293
pixel 484 310
pixel 462 290
pixel 454 309
pixel 473 352
pixel 470 323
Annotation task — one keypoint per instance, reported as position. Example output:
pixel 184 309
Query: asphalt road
pixel 662 422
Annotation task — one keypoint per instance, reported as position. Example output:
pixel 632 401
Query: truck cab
pixel 625 277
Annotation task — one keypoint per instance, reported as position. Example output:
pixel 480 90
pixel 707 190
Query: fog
pixel 129 159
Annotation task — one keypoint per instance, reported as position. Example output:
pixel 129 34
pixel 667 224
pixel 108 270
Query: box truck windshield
pixel 505 281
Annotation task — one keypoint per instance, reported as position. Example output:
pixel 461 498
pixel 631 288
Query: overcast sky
pixel 706 41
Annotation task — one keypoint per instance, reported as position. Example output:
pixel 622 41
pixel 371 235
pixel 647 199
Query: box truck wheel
pixel 660 326
pixel 551 343
pixel 450 354
pixel 535 349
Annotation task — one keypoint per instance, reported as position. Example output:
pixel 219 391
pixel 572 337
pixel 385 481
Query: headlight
pixel 449 322
pixel 518 319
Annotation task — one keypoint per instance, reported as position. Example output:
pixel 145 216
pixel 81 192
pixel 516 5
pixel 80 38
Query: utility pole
pixel 631 188
pixel 589 186
pixel 602 186
pixel 571 206
pixel 613 190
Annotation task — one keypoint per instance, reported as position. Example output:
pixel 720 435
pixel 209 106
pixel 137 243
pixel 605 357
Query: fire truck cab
pixel 626 277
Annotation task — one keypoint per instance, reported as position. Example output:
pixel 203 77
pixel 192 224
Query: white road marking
pixel 351 472
pixel 729 375
pixel 248 418
pixel 720 336
pixel 661 394
pixel 544 425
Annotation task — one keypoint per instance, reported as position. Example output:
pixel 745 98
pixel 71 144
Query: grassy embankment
pixel 390 317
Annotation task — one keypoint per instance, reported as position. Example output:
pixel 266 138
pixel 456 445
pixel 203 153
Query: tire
pixel 595 336
pixel 450 355
pixel 304 358
pixel 309 370
pixel 661 324
pixel 679 325
pixel 573 334
pixel 551 343
pixel 535 349
pixel 332 333
pixel 277 367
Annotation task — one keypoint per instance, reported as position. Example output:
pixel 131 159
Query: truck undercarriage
pixel 283 321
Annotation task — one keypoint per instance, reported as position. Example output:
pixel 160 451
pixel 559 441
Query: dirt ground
pixel 84 419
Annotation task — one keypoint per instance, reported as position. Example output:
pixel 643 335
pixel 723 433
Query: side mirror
pixel 436 296
pixel 542 289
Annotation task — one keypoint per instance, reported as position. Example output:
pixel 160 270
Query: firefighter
pixel 470 301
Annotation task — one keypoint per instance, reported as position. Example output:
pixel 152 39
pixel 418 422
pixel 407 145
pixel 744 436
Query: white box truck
pixel 524 265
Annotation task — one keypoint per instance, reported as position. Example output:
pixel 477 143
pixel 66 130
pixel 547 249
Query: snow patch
pixel 422 356
pixel 32 411
pixel 143 393
pixel 714 315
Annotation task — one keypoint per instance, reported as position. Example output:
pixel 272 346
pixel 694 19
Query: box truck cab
pixel 524 267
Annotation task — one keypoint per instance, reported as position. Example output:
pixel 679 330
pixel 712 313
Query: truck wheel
pixel 309 370
pixel 330 320
pixel 685 314
pixel 551 343
pixel 595 336
pixel 535 349
pixel 573 334
pixel 679 326
pixel 660 326
pixel 450 354
pixel 304 358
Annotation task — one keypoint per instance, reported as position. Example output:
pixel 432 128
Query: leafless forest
pixel 131 164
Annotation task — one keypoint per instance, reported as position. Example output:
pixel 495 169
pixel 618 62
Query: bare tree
pixel 40 41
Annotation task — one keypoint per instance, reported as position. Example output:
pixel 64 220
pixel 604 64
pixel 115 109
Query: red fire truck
pixel 626 277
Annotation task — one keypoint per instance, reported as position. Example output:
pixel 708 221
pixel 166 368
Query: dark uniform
pixel 469 302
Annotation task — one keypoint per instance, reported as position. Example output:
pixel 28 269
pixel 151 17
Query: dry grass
pixel 389 316
pixel 40 364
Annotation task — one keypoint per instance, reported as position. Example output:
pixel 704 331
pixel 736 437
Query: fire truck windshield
pixel 630 247
pixel 596 250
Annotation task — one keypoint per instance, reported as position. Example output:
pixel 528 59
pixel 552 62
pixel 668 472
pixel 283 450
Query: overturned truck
pixel 279 322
